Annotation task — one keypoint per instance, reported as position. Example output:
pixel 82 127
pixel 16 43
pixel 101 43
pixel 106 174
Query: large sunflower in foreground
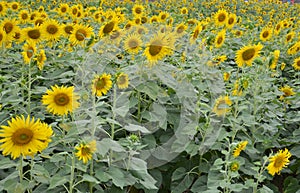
pixel 247 54
pixel 85 151
pixel 221 17
pixel 24 137
pixel 157 48
pixel 279 161
pixel 80 33
pixel 60 100
pixel 51 30
pixel 221 106
pixel 101 84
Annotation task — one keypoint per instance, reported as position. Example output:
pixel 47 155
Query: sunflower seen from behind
pixel 85 151
pixel 24 137
pixel 279 161
pixel 101 84
pixel 60 100
pixel 247 54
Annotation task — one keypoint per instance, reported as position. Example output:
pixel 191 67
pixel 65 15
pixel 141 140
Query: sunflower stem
pixel 72 174
pixel 29 89
pixel 21 169
pixel 91 174
pixel 112 124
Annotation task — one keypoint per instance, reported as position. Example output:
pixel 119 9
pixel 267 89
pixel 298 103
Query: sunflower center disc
pixel 265 34
pixel 248 54
pixel 8 27
pixel 154 49
pixel 278 162
pixel 230 21
pixel 221 17
pixel 80 34
pixel 34 34
pixel 61 99
pixel 99 84
pixel 22 136
pixel 108 27
pixel 52 29
pixel 85 151
pixel 133 44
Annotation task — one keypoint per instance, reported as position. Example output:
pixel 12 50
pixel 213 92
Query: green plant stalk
pixel 29 89
pixel 21 170
pixel 112 124
pixel 91 174
pixel 262 169
pixel 72 174
pixel 93 134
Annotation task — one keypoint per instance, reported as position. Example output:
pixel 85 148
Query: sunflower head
pixel 239 147
pixel 101 84
pixel 247 54
pixel 279 161
pixel 85 151
pixel 222 105
pixel 296 63
pixel 122 81
pixel 221 17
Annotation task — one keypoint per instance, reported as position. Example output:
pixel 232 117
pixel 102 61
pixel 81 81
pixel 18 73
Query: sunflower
pixel 220 59
pixel 296 64
pixel 197 30
pixel 24 137
pixel 80 33
pixel 154 19
pixel 240 147
pixel 184 11
pixel 67 29
pixel 220 38
pixel 232 19
pixel 29 50
pixel 40 59
pixel 226 76
pixel 108 27
pixel 34 15
pixel 63 9
pixel 2 38
pixel 277 28
pixel 144 19
pixel 39 21
pixel 221 106
pixel 101 84
pixel 15 6
pixel 163 16
pixel 294 48
pixel 234 166
pixel 60 100
pixel 287 90
pixel 33 33
pixel 141 30
pixel 221 17
pixel 122 81
pixel 9 26
pixel 276 55
pixel 24 16
pixel 132 43
pixel 289 37
pixel 138 10
pixel 265 34
pixel 247 54
pixel 157 49
pixel 51 30
pixel 115 37
pixel 180 29
pixel 3 8
pixel 279 161
pixel 85 151
pixel 137 20
pixel 73 11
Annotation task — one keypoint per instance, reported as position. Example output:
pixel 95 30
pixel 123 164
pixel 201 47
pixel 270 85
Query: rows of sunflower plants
pixel 161 96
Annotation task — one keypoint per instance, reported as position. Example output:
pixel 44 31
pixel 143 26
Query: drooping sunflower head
pixel 221 17
pixel 247 54
pixel 122 81
pixel 85 151
pixel 279 161
pixel 222 105
pixel 277 28
pixel 101 84
pixel 266 34
pixel 60 100
pixel 24 137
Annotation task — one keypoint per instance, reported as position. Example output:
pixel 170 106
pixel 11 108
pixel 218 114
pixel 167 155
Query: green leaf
pixel 200 184
pixel 7 163
pixel 119 179
pixel 57 181
pixel 133 128
pixel 107 144
pixel 89 178
pixel 122 104
pixel 179 173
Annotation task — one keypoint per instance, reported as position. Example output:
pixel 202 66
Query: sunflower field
pixel 149 96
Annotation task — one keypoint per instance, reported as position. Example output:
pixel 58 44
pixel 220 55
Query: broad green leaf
pixel 89 178
pixel 134 128
pixel 56 181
